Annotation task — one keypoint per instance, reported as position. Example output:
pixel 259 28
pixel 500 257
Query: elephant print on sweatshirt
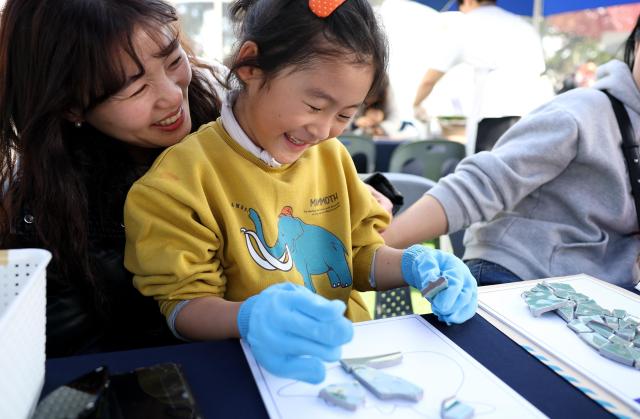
pixel 312 249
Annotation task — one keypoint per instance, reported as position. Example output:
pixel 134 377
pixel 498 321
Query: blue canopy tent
pixel 533 7
pixel 537 9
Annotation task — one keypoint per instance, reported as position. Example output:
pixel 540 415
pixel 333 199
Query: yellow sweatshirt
pixel 211 219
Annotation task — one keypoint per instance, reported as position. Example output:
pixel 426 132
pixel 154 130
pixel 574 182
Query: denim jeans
pixel 489 273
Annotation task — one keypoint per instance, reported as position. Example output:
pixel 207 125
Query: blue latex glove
pixel 456 303
pixel 291 331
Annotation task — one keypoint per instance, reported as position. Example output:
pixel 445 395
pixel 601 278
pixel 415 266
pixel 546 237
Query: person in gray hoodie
pixel 552 198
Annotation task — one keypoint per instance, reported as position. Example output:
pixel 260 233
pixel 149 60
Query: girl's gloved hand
pixel 455 304
pixel 291 331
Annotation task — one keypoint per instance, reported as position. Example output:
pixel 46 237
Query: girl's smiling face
pixel 299 108
pixel 152 109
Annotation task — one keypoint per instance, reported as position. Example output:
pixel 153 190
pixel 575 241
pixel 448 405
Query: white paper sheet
pixel 551 332
pixel 430 360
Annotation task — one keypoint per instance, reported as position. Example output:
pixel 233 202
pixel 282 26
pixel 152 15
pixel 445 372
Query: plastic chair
pixel 432 159
pixel 362 150
pixel 412 187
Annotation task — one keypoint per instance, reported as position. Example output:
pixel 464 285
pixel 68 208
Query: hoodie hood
pixel 616 77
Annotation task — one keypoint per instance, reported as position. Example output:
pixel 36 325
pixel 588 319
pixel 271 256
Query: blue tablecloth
pixel 224 387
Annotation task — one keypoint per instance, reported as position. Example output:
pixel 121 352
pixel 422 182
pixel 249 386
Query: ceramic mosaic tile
pixel 594 339
pixel 613 333
pixel 379 361
pixel 349 395
pixel 453 408
pixel 539 305
pixel 434 287
pixel 386 386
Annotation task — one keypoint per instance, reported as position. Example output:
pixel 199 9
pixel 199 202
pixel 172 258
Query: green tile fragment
pixel 619 313
pixel 604 330
pixel 619 340
pixel 628 333
pixel 579 327
pixel 593 339
pixel 559 286
pixel 612 322
pixel 539 305
pixel 588 309
pixel 566 313
pixel 618 353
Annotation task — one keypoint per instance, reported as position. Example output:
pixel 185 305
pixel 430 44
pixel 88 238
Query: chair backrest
pixel 432 159
pixel 362 150
pixel 412 187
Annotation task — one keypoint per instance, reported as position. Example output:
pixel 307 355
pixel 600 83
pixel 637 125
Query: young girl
pixel 257 225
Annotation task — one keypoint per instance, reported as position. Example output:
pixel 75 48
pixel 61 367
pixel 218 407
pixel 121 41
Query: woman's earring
pixel 78 124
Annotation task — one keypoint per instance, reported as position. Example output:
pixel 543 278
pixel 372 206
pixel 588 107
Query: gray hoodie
pixel 555 189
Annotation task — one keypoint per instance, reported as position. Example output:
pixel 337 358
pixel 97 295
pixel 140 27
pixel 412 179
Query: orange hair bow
pixel 323 8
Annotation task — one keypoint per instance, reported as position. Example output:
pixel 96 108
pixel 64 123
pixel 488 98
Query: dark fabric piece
pixel 491 129
pixel 489 273
pixel 381 184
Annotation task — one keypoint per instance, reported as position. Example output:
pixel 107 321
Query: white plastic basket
pixel 22 330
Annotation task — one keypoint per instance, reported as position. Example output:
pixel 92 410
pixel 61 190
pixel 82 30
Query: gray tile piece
pixel 434 287
pixel 386 386
pixel 452 408
pixel 349 395
pixel 377 361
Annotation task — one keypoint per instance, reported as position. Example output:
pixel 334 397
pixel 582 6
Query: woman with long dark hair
pixel 91 91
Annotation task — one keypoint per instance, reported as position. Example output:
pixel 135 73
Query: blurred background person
pixel 506 55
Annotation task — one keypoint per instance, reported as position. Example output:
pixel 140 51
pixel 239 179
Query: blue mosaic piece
pixel 386 386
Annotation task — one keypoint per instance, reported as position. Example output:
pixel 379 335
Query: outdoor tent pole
pixel 538 7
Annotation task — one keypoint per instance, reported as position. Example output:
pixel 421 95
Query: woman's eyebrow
pixel 168 49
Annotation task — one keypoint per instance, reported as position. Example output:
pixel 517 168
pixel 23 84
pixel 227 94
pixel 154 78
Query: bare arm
pixel 422 221
pixel 208 318
pixel 388 268
pixel 429 80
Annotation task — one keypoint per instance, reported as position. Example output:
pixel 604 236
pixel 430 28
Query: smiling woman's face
pixel 152 109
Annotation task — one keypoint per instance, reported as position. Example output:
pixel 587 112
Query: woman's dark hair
pixel 630 45
pixel 288 34
pixel 57 56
